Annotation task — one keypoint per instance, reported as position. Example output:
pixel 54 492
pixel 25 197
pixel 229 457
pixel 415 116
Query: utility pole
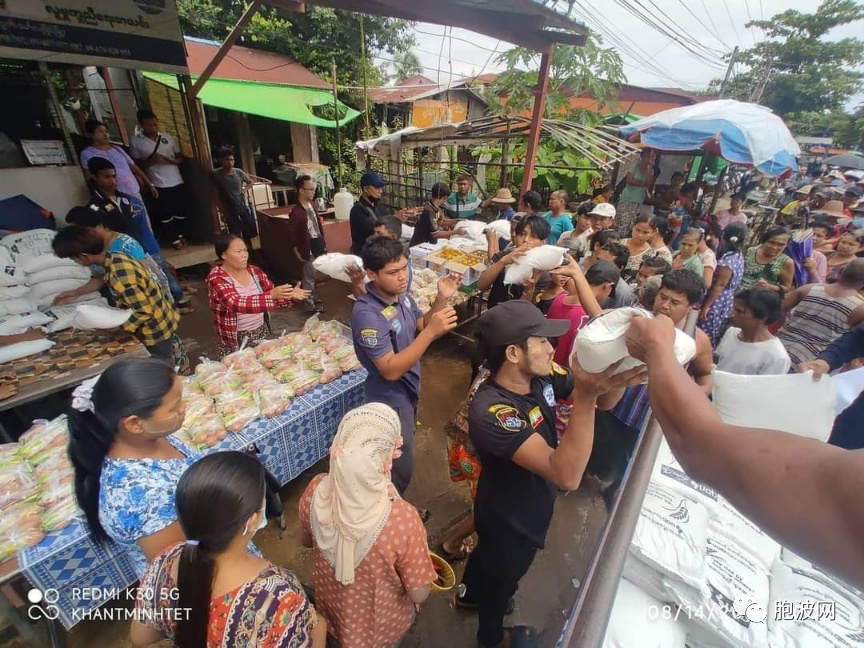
pixel 760 87
pixel 365 87
pixel 728 71
pixel 338 133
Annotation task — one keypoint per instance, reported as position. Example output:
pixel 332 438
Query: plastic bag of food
pixel 241 358
pixel 326 366
pixel 273 400
pixel 304 380
pixel 56 487
pixel 330 340
pixel 40 440
pixel 197 405
pixel 207 370
pixel 57 467
pixel 274 354
pixel 17 481
pixel 238 410
pixel 285 372
pixel 60 513
pixel 207 431
pixel 20 527
pixel 191 387
pixel 223 385
pixel 314 327
pixel 309 353
pixel 347 359
pixel 335 264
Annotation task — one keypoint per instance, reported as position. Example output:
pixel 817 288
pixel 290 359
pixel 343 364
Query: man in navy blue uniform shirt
pixel 391 334
pixel 511 422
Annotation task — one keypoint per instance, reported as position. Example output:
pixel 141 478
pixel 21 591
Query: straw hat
pixel 503 196
pixel 833 208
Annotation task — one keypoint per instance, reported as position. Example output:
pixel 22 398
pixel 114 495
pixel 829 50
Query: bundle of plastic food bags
pixel 274 399
pixel 218 386
pixel 17 481
pixel 336 264
pixel 602 341
pixel 274 353
pixel 39 442
pixel 296 374
pixel 55 470
pixel 347 358
pixel 191 386
pixel 197 405
pixel 242 358
pixel 206 431
pixel 314 327
pixel 544 257
pixel 327 367
pixel 60 513
pixel 20 527
pixel 330 340
pixel 309 353
pixel 238 410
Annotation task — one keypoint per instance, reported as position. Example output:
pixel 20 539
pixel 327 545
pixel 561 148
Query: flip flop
pixel 185 310
pixel 189 290
pixel 462 554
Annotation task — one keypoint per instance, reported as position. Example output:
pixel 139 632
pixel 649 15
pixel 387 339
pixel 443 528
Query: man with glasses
pixel 308 237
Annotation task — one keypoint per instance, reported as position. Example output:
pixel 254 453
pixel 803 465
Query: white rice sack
pixel 699 637
pixel 407 233
pixel 29 244
pixel 55 287
pixel 94 316
pixel 648 579
pixel 12 352
pixel 809 609
pixel 638 620
pixel 544 257
pixel 668 472
pixel 602 341
pixel 75 271
pixel 13 292
pixel 34 265
pixel 764 402
pixel 335 264
pixel 471 229
pixel 18 306
pixel 736 527
pixel 670 535
pixel 501 227
pixel 16 324
pixel 89 298
pixel 10 273
pixel 62 318
pixel 730 573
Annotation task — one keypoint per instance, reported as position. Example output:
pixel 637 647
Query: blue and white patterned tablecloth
pixel 69 561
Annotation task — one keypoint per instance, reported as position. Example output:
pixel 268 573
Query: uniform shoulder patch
pixel 369 337
pixel 535 417
pixel 507 417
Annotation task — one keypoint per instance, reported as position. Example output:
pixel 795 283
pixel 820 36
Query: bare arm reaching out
pixel 808 495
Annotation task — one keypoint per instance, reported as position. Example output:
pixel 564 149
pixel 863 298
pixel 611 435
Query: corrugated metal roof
pixel 247 64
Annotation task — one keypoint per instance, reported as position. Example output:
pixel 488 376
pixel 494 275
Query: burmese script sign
pixel 141 34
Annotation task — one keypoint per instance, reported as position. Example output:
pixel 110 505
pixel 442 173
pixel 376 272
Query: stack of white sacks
pixel 699 572
pixel 31 277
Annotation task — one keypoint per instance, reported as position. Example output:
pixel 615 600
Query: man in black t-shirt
pixel 511 422
pixel 426 230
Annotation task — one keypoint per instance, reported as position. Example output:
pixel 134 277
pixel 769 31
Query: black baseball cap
pixel 515 321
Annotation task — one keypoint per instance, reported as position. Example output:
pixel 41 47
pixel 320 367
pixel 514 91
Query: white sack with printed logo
pixel 632 623
pixel 602 341
pixel 74 271
pixel 18 306
pixel 47 291
pixel 765 402
pixel 335 264
pixel 11 274
pixel 736 527
pixel 669 473
pixel 63 315
pixel 544 257
pixel 30 244
pixel 649 580
pixel 730 572
pixel 23 349
pixel 501 227
pixel 670 535
pixel 17 324
pixel 829 612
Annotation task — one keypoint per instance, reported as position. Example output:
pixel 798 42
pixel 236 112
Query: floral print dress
pixel 719 312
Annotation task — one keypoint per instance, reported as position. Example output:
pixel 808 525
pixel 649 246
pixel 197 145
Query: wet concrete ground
pixel 546 592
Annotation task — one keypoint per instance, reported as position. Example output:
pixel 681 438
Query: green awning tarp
pixel 276 101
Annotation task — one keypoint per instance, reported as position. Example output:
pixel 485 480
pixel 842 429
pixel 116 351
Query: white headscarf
pixel 350 506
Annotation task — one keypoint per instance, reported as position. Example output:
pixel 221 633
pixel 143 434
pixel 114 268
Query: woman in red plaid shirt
pixel 241 294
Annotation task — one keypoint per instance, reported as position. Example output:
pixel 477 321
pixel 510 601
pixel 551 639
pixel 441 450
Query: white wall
pixel 55 188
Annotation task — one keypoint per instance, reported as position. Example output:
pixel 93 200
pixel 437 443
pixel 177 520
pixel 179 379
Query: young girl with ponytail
pixel 218 593
pixel 126 467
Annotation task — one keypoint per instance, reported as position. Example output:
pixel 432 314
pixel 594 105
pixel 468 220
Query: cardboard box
pixel 439 262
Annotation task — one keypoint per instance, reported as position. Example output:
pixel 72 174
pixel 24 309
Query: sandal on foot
pixel 522 636
pixel 462 554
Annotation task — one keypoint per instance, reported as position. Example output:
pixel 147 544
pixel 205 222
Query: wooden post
pixel 537 118
pixel 720 178
pixel 338 133
pixel 195 114
pixel 222 52
pixel 505 158
pixel 245 137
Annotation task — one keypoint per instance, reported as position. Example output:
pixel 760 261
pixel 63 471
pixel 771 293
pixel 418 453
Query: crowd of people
pixel 532 424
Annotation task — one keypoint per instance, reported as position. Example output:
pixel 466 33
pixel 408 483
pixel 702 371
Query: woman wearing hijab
pixel 371 561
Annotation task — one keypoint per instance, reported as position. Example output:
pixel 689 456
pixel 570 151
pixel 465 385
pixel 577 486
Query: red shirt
pixel 226 303
pixel 578 318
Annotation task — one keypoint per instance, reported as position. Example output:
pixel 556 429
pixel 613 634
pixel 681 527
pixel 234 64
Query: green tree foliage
pixel 406 65
pixel 573 70
pixel 846 129
pixel 800 69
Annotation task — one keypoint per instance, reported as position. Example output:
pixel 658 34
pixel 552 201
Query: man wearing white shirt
pixel 159 155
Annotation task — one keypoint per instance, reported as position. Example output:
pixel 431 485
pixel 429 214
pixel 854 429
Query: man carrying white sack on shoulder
pixel 617 429
pixel 511 422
